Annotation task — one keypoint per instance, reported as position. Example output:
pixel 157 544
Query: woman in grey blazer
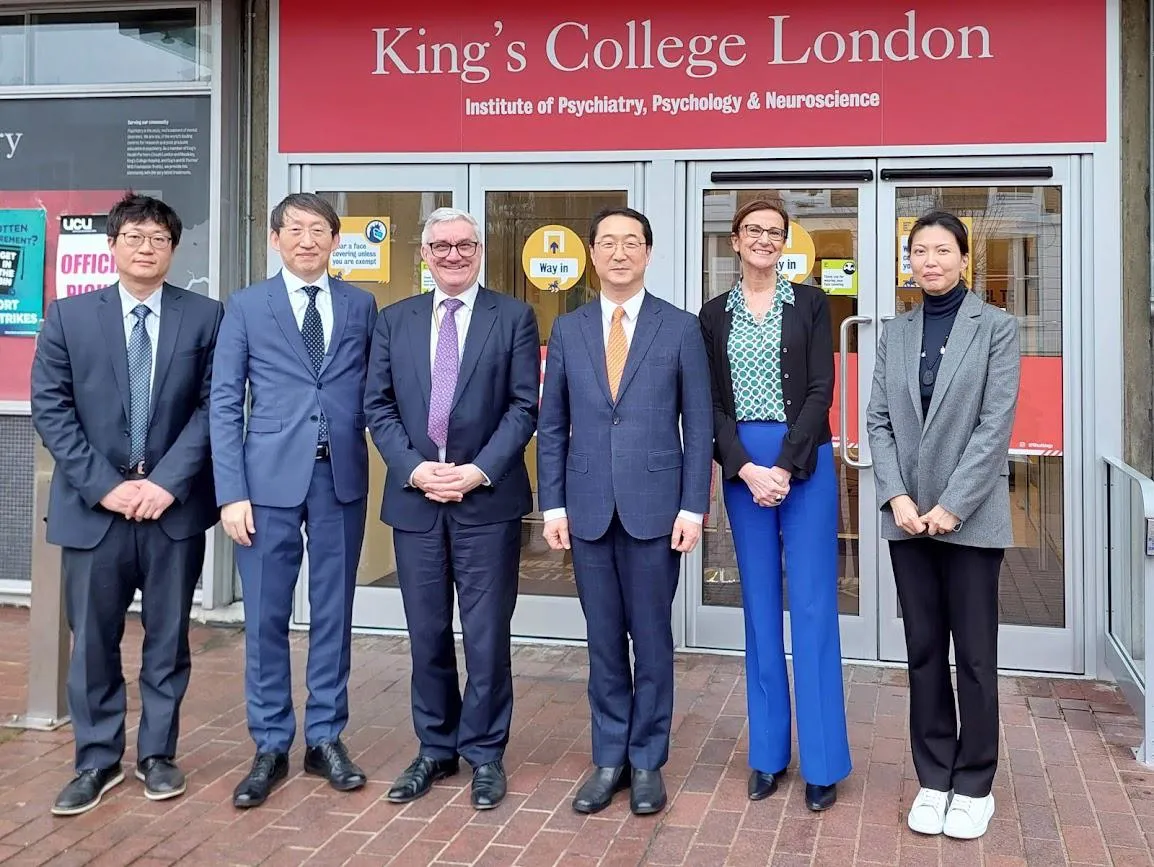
pixel 944 393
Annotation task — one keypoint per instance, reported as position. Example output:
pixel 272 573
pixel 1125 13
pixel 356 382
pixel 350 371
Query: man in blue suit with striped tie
pixel 298 343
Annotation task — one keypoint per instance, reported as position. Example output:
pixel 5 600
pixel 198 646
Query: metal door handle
pixel 842 386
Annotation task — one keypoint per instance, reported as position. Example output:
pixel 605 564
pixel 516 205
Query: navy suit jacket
pixel 260 346
pixel 493 414
pixel 80 396
pixel 649 454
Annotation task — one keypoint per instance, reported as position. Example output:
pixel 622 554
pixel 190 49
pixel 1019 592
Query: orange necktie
pixel 616 351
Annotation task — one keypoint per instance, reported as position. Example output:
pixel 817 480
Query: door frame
pixel 1031 648
pixel 723 627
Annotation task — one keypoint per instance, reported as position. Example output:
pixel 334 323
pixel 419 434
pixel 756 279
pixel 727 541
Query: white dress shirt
pixel 629 323
pixel 299 299
pixel 462 317
pixel 151 323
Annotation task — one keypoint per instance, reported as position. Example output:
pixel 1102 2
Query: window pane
pixel 405 213
pixel 830 219
pixel 511 217
pixel 1016 259
pixel 11 50
pixel 121 47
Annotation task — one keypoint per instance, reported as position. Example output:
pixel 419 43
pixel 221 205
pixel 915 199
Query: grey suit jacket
pixel 957 457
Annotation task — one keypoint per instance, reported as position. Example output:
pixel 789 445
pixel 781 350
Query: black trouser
pixel 480 564
pixel 98 588
pixel 946 590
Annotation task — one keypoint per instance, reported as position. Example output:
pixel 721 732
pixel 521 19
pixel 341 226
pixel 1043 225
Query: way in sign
pixel 553 268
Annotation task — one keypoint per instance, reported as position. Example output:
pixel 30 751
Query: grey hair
pixel 449 215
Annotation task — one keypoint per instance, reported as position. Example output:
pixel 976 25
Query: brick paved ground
pixel 1068 790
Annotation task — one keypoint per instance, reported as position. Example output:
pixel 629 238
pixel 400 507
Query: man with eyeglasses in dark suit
pixel 120 385
pixel 451 405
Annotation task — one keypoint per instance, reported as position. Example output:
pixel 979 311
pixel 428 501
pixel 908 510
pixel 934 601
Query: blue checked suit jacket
pixel 646 455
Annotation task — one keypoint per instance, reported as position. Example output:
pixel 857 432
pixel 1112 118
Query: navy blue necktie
pixel 139 376
pixel 313 333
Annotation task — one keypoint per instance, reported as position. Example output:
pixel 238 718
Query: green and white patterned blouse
pixel 755 356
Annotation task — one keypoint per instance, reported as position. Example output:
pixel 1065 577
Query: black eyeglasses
pixel 466 249
pixel 135 239
pixel 754 231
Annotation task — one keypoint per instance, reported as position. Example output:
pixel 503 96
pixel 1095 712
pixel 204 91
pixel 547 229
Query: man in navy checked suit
pixel 624 449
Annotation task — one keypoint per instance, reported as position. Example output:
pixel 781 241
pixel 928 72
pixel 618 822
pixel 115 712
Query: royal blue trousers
pixel 804 527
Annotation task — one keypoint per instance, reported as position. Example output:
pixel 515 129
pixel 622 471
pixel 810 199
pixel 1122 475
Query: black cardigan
pixel 806 380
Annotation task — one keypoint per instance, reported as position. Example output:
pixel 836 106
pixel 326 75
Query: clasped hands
pixel 138 500
pixel 684 539
pixel 769 485
pixel 935 522
pixel 446 483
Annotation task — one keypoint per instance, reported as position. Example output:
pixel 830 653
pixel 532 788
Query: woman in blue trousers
pixel 770 351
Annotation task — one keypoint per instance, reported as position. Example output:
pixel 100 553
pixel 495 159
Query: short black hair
pixel 134 208
pixel 310 203
pixel 947 221
pixel 604 213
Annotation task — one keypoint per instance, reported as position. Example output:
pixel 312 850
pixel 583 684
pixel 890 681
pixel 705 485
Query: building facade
pixel 860 117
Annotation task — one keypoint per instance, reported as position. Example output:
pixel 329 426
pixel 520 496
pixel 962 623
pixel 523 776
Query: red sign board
pixel 525 76
pixel 1037 424
pixel 16 352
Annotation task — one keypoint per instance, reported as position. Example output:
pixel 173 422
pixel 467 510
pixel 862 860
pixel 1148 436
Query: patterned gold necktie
pixel 616 351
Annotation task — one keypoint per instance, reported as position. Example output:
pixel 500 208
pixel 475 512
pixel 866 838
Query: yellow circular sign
pixel 798 257
pixel 553 258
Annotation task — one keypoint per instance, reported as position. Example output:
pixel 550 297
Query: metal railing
pixel 1130 590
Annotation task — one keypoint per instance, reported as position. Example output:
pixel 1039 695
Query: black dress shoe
pixel 819 798
pixel 647 792
pixel 268 769
pixel 161 777
pixel 489 785
pixel 86 789
pixel 419 777
pixel 331 760
pixel 762 785
pixel 597 792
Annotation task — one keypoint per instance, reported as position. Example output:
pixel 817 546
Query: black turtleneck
pixel 939 313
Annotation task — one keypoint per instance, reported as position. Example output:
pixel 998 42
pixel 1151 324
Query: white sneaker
pixel 968 818
pixel 928 813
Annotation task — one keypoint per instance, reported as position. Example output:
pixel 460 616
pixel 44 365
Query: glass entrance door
pixel 399 199
pixel 530 215
pixel 1023 220
pixel 848 222
pixel 831 244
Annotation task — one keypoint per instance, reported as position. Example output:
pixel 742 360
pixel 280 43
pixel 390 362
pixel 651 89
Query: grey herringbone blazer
pixel 958 455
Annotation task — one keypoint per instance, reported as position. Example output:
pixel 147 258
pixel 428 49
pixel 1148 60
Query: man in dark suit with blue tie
pixel 452 403
pixel 624 449
pixel 120 386
pixel 298 343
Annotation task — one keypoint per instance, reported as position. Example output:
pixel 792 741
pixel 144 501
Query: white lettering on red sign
pixel 573 46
